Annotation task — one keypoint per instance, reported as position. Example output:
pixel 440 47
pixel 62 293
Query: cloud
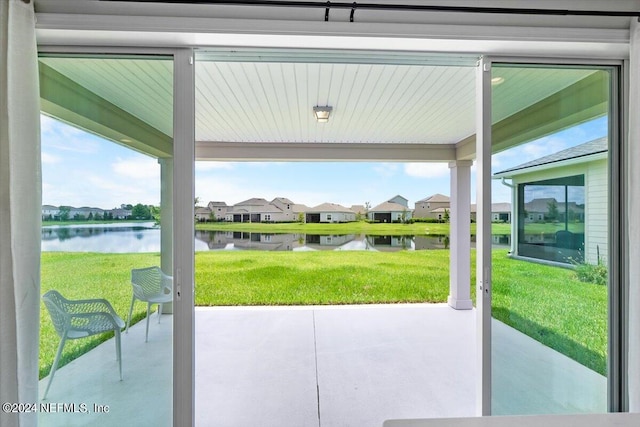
pixel 138 168
pixel 543 147
pixel 426 170
pixel 50 158
pixel 386 169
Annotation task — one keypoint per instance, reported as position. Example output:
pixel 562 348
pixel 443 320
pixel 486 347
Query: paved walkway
pixel 333 366
pixel 322 366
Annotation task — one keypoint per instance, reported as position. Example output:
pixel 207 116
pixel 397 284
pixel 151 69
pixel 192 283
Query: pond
pixel 145 237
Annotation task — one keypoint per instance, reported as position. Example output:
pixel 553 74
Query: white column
pixel 460 236
pixel 166 221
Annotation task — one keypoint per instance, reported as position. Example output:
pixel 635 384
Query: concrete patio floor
pixel 322 366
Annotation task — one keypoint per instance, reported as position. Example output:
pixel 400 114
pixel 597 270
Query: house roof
pixel 216 204
pixel 330 207
pixel 283 200
pixel 358 209
pixel 436 198
pixel 584 151
pixel 255 201
pixel 202 211
pixel 389 207
pixel 297 207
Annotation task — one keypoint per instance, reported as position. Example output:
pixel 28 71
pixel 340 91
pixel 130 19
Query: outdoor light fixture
pixel 322 113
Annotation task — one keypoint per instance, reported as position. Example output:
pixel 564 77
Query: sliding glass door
pixel 552 136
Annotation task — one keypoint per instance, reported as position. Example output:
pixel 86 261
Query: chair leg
pixel 146 337
pixel 133 298
pixel 55 365
pixel 119 351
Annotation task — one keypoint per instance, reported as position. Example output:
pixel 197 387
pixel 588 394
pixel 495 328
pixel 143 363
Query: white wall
pixel 596 215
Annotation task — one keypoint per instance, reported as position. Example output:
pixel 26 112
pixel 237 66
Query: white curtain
pixel 20 209
pixel 634 219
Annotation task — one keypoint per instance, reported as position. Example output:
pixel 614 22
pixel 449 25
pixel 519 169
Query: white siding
pixel 596 214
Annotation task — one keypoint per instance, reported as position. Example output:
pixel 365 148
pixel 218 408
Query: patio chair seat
pixel 152 286
pixel 75 319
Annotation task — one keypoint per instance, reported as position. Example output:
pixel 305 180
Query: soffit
pixel 245 99
pixel 143 87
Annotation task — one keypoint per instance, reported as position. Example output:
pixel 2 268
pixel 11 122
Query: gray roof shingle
pixel 596 146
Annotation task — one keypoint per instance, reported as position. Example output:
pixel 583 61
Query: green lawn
pixel 547 303
pixel 323 277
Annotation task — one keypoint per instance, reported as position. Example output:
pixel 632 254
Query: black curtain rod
pixel 411 7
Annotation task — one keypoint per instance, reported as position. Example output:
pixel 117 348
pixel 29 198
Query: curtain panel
pixel 633 142
pixel 20 209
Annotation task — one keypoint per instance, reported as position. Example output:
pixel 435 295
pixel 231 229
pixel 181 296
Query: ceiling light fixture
pixel 322 113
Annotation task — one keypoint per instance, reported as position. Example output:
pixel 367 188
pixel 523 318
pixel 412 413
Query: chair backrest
pixel 150 281
pixel 56 307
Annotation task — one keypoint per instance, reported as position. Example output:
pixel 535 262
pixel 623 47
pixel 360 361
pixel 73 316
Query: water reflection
pixel 145 237
pixel 108 238
pixel 228 240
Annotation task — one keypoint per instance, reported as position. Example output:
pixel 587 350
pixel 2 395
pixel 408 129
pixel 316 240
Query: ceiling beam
pixel 582 101
pixel 351 152
pixel 66 100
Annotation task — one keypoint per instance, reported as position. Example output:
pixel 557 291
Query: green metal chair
pixel 75 319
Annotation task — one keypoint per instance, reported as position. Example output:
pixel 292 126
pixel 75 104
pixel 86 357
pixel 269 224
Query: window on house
pixel 557 234
pixel 329 217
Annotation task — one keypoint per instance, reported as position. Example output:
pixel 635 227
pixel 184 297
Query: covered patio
pixel 321 366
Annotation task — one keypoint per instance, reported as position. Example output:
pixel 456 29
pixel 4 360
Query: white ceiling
pixel 258 97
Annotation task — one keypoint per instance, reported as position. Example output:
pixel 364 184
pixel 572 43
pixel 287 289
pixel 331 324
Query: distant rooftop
pixel 436 198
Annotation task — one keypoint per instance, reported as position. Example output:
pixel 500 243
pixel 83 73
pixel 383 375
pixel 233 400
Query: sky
pixel 81 169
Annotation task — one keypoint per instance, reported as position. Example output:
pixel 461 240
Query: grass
pixel 547 303
pixel 553 306
pixel 327 277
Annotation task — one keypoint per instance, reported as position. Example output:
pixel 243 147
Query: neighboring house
pixel 218 209
pixel 400 200
pixel 395 209
pixel 432 206
pixel 548 226
pixel 50 212
pixel 85 212
pixel 119 213
pixel 300 209
pixel 250 210
pixel 330 212
pixel 360 210
pixel 279 209
pixel 287 208
pixel 389 212
pixel 500 212
pixel 202 214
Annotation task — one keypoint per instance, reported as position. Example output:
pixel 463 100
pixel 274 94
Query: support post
pixel 460 235
pixel 483 235
pixel 166 221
